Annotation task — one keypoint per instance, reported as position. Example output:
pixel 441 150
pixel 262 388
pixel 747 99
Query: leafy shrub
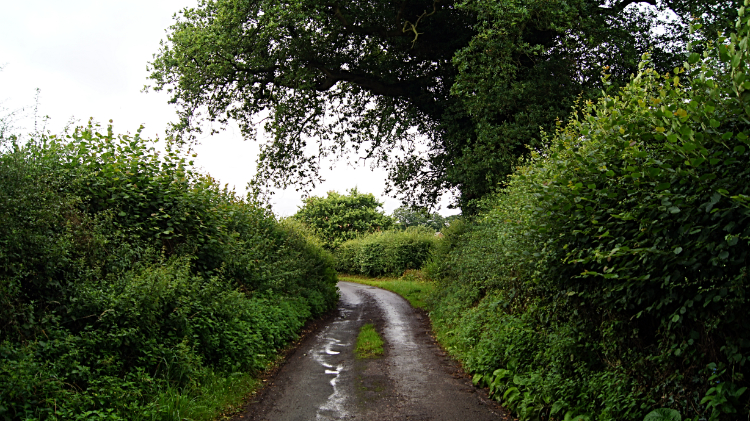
pixel 347 256
pixel 160 324
pixel 609 278
pixel 126 275
pixel 37 229
pixel 387 252
pixel 337 218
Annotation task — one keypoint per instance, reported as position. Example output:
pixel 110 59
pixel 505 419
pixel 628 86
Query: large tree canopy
pixel 446 95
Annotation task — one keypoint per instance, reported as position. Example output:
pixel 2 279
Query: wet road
pixel 415 380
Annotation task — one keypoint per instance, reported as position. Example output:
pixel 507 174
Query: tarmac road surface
pixel 414 380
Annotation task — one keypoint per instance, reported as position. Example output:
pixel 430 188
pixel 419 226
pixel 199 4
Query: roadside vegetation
pixel 366 241
pixel 369 343
pixel 600 272
pixel 133 287
pixel 609 278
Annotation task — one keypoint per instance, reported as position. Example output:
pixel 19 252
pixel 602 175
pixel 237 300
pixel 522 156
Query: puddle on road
pixel 325 355
pixel 328 355
pixel 328 384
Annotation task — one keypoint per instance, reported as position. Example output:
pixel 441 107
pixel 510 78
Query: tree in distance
pixel 446 95
pixel 406 217
pixel 340 217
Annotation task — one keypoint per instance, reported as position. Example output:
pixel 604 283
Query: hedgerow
pixel 125 277
pixel 386 252
pixel 609 278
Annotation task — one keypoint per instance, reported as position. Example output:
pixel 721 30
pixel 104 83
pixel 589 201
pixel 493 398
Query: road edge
pixel 311 328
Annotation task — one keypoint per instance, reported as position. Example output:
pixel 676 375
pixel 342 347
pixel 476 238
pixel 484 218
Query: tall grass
pixel 213 397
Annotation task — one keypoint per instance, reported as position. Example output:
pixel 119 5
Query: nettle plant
pixel 155 195
pixel 649 197
pixel 150 191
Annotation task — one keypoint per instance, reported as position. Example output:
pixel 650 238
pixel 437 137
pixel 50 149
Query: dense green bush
pixel 337 218
pixel 386 252
pixel 610 277
pixel 347 256
pixel 125 275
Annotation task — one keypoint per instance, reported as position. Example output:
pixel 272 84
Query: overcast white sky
pixel 89 58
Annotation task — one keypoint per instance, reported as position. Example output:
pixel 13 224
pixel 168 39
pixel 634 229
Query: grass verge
pixel 369 343
pixel 217 397
pixel 415 291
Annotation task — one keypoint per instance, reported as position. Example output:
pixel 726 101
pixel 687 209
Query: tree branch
pixel 619 7
pixel 366 82
pixel 364 30
pixel 412 27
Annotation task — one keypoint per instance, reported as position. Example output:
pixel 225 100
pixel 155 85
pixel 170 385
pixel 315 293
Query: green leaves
pixel 663 414
pixel 338 218
pixel 387 253
pixel 405 217
pixel 475 80
pixel 126 273
pixel 622 250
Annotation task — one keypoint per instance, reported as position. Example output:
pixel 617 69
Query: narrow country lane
pixel 415 380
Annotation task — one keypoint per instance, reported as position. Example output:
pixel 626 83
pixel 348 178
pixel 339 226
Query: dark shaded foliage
pixel 472 80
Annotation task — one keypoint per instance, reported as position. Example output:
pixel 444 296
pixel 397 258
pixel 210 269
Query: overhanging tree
pixel 445 95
